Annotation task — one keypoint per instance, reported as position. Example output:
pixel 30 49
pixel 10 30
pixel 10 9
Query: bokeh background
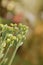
pixel 30 13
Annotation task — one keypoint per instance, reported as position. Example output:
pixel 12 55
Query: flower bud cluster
pixel 12 34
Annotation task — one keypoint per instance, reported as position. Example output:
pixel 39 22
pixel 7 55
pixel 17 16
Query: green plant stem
pixel 5 55
pixel 14 53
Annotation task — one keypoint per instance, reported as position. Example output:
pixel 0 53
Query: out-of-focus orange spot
pixel 18 18
pixel 39 29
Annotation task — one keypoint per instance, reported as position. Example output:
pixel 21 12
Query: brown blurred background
pixel 31 52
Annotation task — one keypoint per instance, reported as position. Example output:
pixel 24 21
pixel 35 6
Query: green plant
pixel 12 35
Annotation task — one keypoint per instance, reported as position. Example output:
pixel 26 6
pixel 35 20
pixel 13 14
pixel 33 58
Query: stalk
pixel 14 53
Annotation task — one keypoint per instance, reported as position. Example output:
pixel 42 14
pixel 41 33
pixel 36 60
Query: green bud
pixel 15 25
pixel 20 25
pixel 19 36
pixel 9 35
pixel 8 40
pixel 14 37
pixel 16 28
pixel 22 33
pixel 4 44
pixel 24 37
pixel 12 24
pixel 1 25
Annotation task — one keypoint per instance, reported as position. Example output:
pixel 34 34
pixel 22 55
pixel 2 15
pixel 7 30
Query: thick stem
pixel 14 53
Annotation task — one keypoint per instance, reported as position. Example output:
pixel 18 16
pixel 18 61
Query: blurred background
pixel 30 13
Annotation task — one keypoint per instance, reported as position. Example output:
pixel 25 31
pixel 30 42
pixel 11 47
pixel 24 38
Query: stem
pixel 5 54
pixel 14 53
